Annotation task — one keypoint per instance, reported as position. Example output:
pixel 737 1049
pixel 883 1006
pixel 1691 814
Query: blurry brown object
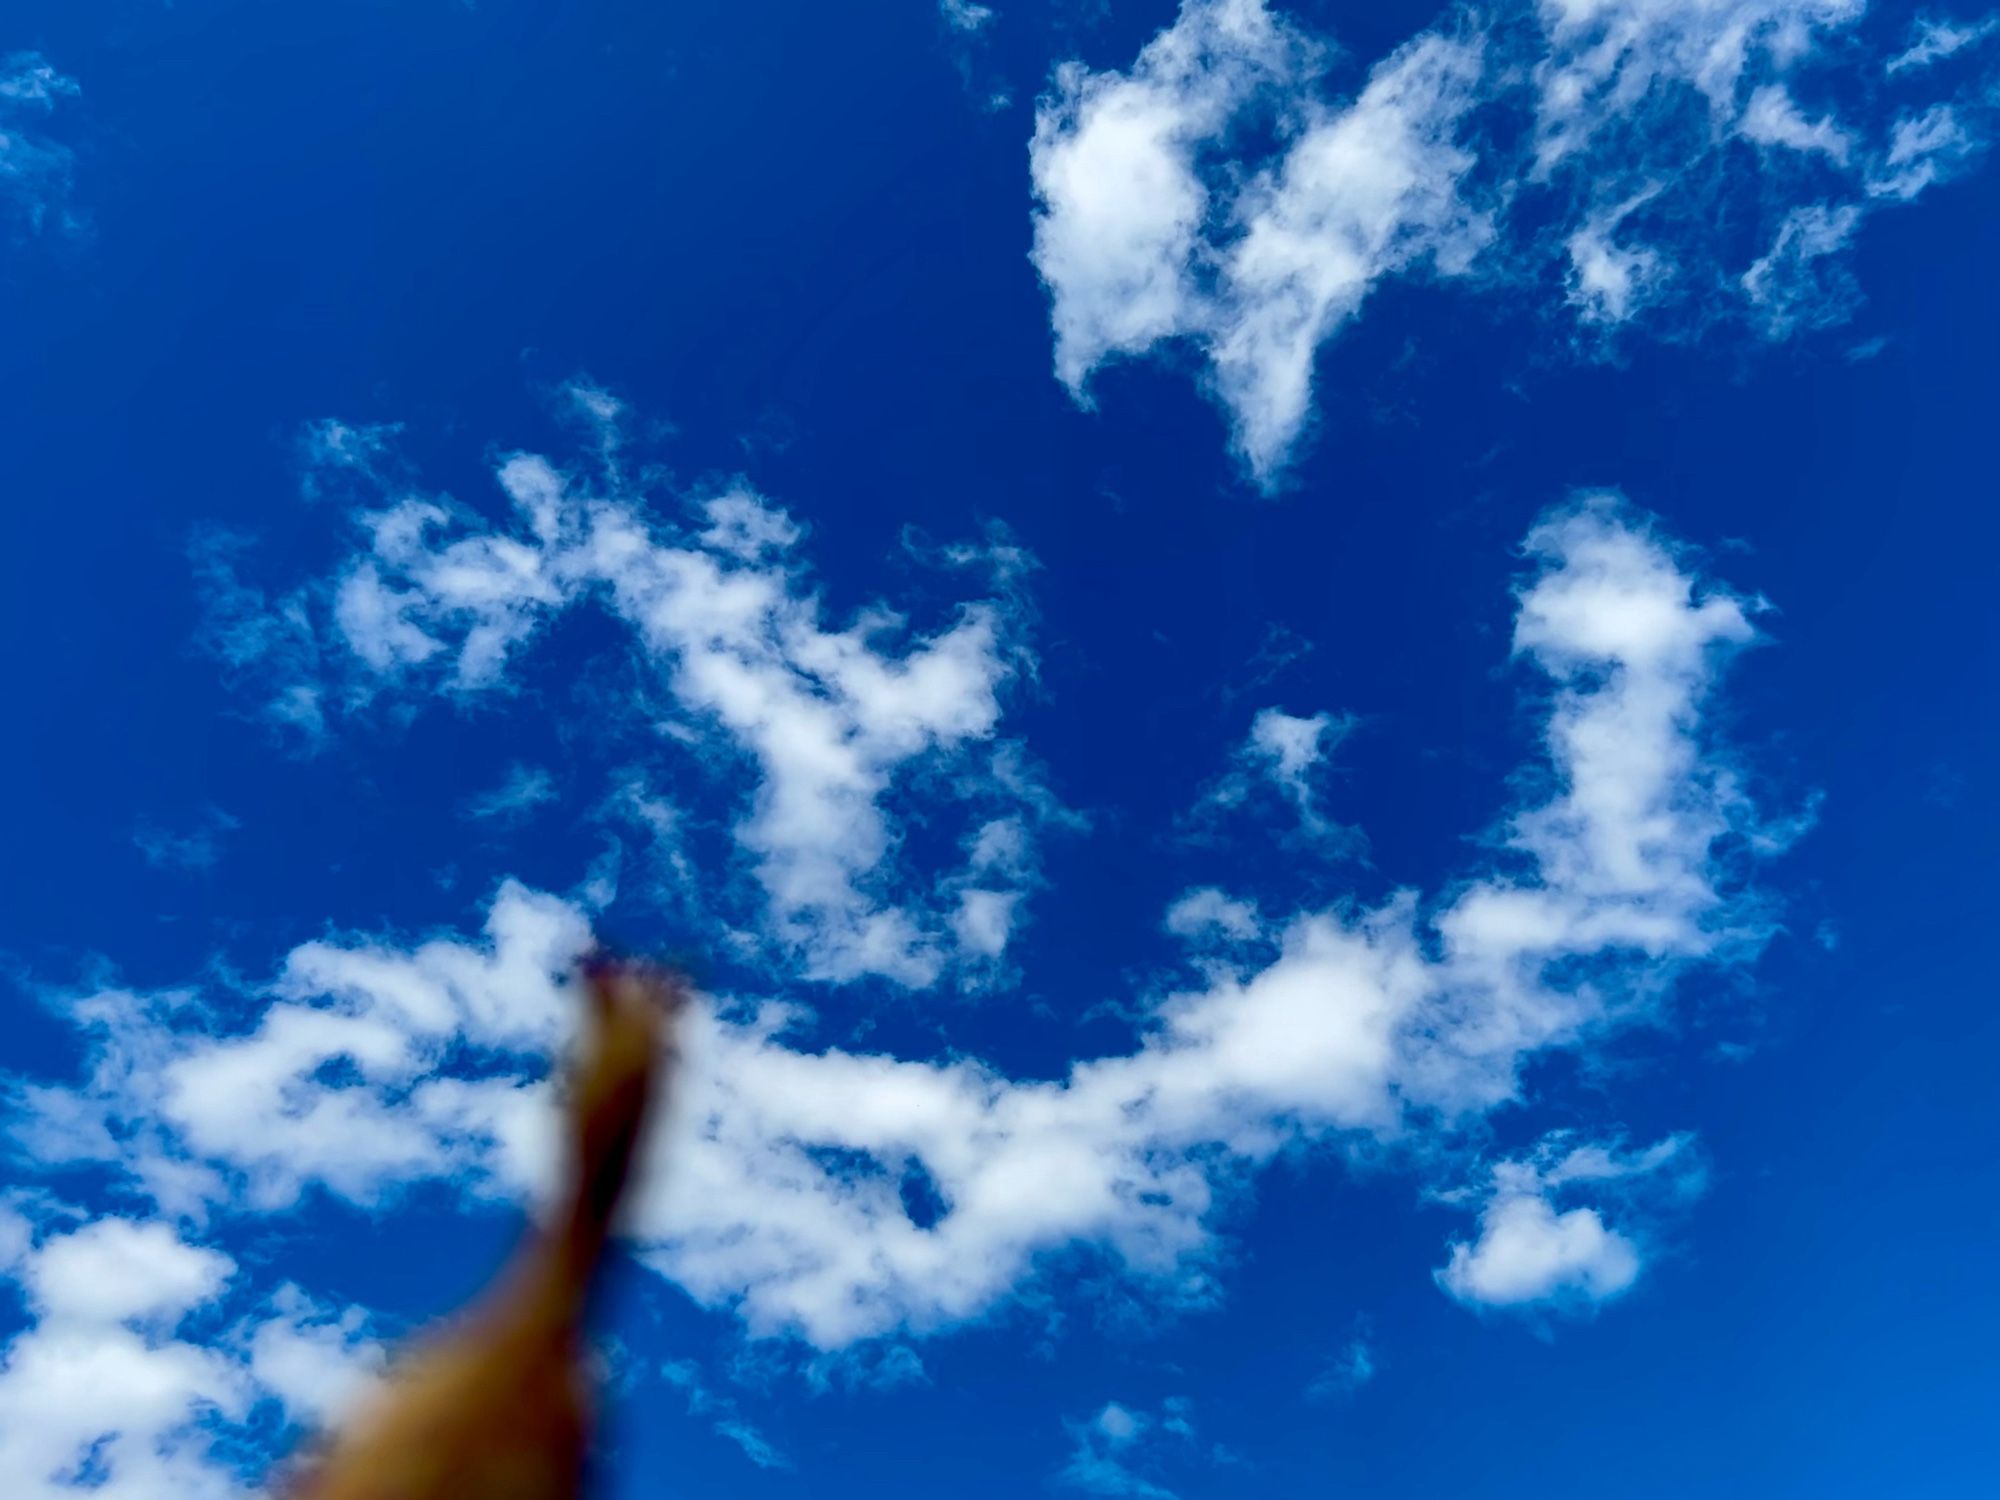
pixel 497 1405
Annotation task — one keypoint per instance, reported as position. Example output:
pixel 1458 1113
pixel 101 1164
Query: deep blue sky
pixel 794 239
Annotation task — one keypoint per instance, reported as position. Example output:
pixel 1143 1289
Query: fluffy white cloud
pixel 829 719
pixel 838 1197
pixel 1528 1253
pixel 1363 192
pixel 338 1081
pixel 1114 161
pixel 121 1270
pixel 1135 251
pixel 104 1391
pixel 1209 194
pixel 1209 912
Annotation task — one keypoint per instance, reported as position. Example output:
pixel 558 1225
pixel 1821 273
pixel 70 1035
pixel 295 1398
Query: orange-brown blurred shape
pixel 496 1406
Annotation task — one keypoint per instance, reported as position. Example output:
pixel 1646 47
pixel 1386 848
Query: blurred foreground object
pixel 497 1405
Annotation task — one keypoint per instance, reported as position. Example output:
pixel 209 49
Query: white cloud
pixel 1363 193
pixel 1285 757
pixel 840 1197
pixel 1211 912
pixel 1354 1367
pixel 1771 118
pixel 524 789
pixel 1122 207
pixel 1530 1254
pixel 1636 103
pixel 35 171
pixel 831 718
pixel 207 1117
pixel 1114 1450
pixel 1209 195
pixel 1611 62
pixel 965 15
pixel 1609 282
pixel 723 1414
pixel 318 1361
pixel 1801 282
pixel 1291 746
pixel 339 461
pixel 1135 252
pixel 121 1270
pixel 1934 38
pixel 1924 149
pixel 105 1392
pixel 258 639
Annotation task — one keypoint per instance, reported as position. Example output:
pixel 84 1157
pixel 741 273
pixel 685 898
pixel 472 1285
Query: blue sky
pixel 1314 689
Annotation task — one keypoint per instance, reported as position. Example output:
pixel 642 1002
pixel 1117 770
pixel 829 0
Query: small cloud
pixel 968 26
pixel 196 850
pixel 346 462
pixel 1281 649
pixel 1351 1369
pixel 1284 758
pixel 269 645
pixel 875 1367
pixel 1924 149
pixel 1773 118
pixel 1802 282
pixel 1115 1448
pixel 1935 38
pixel 1531 1254
pixel 965 16
pixel 34 170
pixel 525 789
pixel 721 1412
pixel 1208 914
pixel 1944 786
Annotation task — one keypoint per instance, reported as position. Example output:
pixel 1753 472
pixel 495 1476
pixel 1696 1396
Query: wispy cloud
pixel 1116 1451
pixel 1354 1367
pixel 1284 760
pixel 524 789
pixel 35 169
pixel 1935 38
pixel 196 849
pixel 723 1414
